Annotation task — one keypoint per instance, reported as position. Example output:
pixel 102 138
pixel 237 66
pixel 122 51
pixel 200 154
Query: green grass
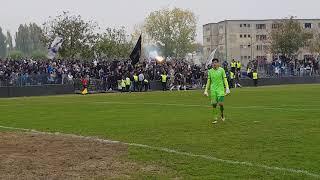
pixel 275 126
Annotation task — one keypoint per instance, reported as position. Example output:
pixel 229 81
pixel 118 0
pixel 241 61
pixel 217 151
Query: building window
pixel 207 29
pixel 241 46
pixel 245 25
pixel 208 39
pixel 261 37
pixel 264 37
pixel 245 35
pixel 245 57
pixel 261 57
pixel 275 26
pixel 307 25
pixel 261 26
pixel 259 47
pixel 249 46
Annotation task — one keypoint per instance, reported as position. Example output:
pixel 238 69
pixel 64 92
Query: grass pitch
pixel 269 133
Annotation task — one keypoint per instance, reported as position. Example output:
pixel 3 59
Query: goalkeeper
pixel 218 86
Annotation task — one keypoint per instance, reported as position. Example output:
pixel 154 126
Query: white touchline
pixel 281 107
pixel 211 158
pixel 194 105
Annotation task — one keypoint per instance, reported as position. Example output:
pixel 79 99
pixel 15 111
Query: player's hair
pixel 215 59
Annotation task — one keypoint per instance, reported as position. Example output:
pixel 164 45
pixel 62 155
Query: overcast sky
pixel 116 13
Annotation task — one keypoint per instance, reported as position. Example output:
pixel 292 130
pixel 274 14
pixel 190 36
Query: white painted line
pixel 231 107
pixel 158 104
pixel 281 107
pixel 211 158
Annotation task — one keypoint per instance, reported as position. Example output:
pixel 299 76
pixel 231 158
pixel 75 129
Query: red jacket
pixel 84 82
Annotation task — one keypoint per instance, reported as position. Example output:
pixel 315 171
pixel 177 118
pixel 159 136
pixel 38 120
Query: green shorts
pixel 216 99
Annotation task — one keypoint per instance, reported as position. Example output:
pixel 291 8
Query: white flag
pixel 55 45
pixel 209 61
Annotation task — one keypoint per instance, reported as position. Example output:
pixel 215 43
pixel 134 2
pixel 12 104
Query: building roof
pixel 239 20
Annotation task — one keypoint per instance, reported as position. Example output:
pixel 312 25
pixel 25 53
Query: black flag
pixel 136 53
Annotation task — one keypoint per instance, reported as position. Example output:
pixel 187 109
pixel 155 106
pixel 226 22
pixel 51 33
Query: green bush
pixel 38 55
pixel 15 55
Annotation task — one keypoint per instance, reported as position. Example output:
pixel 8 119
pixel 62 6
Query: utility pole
pixel 251 48
pixel 225 40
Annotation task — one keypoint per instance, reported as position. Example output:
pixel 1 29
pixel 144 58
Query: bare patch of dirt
pixel 39 156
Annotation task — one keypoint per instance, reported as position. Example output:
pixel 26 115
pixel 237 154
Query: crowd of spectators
pixel 108 72
pixel 281 66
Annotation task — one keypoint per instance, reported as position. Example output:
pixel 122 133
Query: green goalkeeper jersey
pixel 217 81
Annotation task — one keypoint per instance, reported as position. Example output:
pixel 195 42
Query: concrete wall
pixel 36 90
pixel 156 85
pixel 281 81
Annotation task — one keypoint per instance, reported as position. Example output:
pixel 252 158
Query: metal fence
pixel 33 80
pixel 104 85
pixel 269 70
pixel 99 85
